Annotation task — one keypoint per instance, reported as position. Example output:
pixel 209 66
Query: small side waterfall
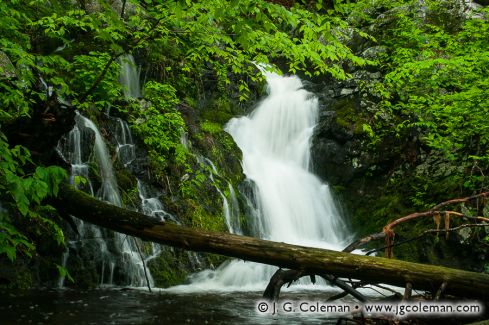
pixel 84 148
pixel 126 150
pixel 151 205
pixel 129 76
pixel 289 203
pixel 72 149
pixel 230 209
pixel 109 190
pixel 126 255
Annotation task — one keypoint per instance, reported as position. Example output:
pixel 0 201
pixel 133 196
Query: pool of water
pixel 137 306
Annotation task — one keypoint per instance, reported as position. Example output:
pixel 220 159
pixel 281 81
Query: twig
pixel 355 285
pixel 169 187
pixel 408 291
pixel 380 293
pixel 430 213
pixel 144 265
pixel 388 233
pixel 350 248
pixel 386 288
pixel 341 284
pixel 441 291
pixel 100 76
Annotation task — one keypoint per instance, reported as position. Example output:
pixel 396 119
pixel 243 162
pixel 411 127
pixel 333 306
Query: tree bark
pixel 307 259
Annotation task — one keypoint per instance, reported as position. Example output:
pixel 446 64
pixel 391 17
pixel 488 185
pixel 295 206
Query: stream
pixel 138 306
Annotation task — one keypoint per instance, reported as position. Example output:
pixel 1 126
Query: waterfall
pixel 126 150
pixel 71 148
pixel 296 206
pixel 127 246
pixel 151 205
pixel 109 190
pixel 230 209
pixel 78 147
pixel 290 204
pixel 129 77
pixel 126 254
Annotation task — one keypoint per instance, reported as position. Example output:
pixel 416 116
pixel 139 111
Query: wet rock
pixel 346 91
pixel 87 139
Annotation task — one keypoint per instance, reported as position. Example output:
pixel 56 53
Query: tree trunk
pixel 308 260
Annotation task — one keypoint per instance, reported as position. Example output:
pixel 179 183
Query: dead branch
pixel 460 200
pixel 408 291
pixel 429 231
pixel 350 248
pixel 441 291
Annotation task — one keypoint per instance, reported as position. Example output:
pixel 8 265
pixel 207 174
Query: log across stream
pixel 309 260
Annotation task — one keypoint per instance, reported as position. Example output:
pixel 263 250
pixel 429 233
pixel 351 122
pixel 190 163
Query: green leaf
pixel 63 273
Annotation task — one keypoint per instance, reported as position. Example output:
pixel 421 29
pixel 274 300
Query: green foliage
pixel 12 241
pixel 230 37
pixel 160 125
pixel 22 195
pixel 63 272
pixel 211 127
pixel 436 82
pixel 87 69
pixel 435 85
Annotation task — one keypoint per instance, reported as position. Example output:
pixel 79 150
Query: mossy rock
pixel 125 179
pixel 349 116
pixel 168 269
pixel 219 110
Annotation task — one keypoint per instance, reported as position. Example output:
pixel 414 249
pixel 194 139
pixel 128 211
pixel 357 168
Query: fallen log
pixel 309 260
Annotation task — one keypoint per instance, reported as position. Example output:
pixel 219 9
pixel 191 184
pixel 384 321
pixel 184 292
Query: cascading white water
pixel 129 76
pixel 127 245
pixel 151 205
pixel 126 150
pixel 109 190
pixel 129 79
pixel 291 204
pixel 229 209
pixel 71 151
pixel 126 255
pixel 275 140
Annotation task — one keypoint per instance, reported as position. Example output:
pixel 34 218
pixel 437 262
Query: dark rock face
pixel 339 143
pixel 87 136
pixel 362 177
pixel 41 131
pixel 332 155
